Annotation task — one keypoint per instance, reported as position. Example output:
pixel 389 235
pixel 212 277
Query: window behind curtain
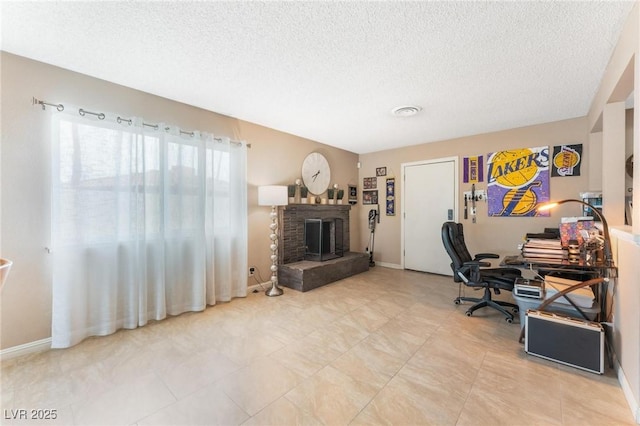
pixel 145 223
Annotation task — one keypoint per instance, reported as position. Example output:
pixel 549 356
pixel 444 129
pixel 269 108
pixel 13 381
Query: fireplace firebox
pixel 323 239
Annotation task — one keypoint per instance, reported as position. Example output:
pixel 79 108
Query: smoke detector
pixel 406 110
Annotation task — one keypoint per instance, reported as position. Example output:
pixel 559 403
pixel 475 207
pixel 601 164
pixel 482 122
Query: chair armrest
pixel 476 264
pixel 481 256
pixel 469 273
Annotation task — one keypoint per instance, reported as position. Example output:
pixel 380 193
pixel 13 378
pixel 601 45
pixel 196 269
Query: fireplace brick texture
pixel 291 245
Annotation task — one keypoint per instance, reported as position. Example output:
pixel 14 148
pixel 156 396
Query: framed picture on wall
pixel 370 197
pixel 381 171
pixel 353 194
pixel 369 183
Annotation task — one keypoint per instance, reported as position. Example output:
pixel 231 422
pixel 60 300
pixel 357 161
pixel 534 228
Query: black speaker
pixel 566 340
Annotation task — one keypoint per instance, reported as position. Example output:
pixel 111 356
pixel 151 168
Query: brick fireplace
pixel 292 218
pixel 303 275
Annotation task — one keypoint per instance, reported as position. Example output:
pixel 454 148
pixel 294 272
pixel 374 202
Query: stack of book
pixel 544 249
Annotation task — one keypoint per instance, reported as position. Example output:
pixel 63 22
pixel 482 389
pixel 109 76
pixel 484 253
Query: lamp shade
pixel 273 195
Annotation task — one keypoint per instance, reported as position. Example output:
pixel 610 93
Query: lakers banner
pixel 517 181
pixel 473 169
pixel 566 160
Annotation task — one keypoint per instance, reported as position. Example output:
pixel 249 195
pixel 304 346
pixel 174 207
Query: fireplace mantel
pixel 318 207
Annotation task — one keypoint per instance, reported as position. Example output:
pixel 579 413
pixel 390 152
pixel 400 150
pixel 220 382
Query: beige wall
pixel 25 306
pixel 621 77
pixel 277 159
pixel 627 314
pixel 493 234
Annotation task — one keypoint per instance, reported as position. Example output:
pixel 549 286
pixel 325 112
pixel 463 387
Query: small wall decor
pixel 391 197
pixel 370 183
pixel 473 169
pixel 381 171
pixel 370 197
pixel 353 194
pixel 566 160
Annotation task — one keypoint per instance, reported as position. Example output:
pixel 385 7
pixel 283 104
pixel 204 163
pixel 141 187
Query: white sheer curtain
pixel 146 222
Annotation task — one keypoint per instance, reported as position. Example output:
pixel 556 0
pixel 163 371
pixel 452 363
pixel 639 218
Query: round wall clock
pixel 316 173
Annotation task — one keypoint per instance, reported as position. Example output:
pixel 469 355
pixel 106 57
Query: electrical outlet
pixel 252 271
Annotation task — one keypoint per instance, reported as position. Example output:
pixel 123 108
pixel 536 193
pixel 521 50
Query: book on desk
pixel 543 248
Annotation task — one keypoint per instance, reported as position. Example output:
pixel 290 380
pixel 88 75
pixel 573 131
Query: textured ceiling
pixel 332 71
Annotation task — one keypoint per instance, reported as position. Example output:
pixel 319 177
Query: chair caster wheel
pixel 509 320
pixel 468 313
pixel 457 302
pixel 515 310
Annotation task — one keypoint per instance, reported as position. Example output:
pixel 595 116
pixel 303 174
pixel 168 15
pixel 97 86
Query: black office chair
pixel 475 273
pixel 457 234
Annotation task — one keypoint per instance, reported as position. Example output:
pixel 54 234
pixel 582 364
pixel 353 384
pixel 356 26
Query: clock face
pixel 316 173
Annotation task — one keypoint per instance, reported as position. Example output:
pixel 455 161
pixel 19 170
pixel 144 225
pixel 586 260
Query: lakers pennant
pixel 517 181
pixel 566 160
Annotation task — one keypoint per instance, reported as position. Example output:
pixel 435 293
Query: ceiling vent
pixel 406 111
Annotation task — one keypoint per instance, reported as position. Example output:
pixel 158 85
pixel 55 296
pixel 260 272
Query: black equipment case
pixel 566 340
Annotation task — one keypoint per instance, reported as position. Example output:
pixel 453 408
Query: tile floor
pixel 383 347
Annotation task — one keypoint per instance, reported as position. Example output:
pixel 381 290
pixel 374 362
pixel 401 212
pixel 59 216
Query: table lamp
pixel 608 258
pixel 274 196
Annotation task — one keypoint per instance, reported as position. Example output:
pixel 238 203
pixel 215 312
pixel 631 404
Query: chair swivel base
pixel 483 303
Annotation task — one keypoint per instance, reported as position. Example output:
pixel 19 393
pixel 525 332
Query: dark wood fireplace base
pixel 306 275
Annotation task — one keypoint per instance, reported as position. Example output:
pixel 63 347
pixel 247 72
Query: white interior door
pixel 428 200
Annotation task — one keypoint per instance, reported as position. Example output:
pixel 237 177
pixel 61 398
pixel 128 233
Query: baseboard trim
pixel 260 287
pixel 27 348
pixel 628 394
pixel 389 265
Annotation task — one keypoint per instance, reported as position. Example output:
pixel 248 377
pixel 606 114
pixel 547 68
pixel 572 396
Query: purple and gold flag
pixel 473 169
